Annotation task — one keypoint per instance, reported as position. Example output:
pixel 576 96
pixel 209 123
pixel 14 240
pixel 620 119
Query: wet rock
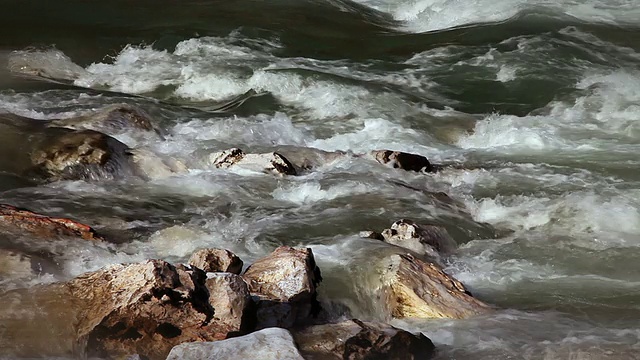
pixel 47 63
pixel 429 240
pixel 358 340
pixel 230 297
pixel 414 288
pixel 305 159
pixel 150 165
pixel 284 283
pixel 15 265
pixel 266 344
pixel 403 160
pixel 216 260
pixel 45 226
pixel 80 155
pixel 272 163
pixel 371 235
pixel 145 308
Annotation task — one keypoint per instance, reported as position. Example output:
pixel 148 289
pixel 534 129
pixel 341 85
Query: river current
pixel 535 102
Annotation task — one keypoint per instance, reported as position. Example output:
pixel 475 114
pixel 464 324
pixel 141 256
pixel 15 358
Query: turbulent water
pixel 536 102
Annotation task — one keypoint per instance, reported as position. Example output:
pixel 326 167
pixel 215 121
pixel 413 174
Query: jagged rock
pixel 229 296
pixel 273 162
pixel 358 340
pixel 403 160
pixel 216 260
pixel 45 226
pixel 414 288
pixel 285 284
pixel 144 308
pixel 429 240
pixel 80 154
pixel 266 344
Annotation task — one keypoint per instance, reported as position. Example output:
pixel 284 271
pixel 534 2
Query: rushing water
pixel 537 102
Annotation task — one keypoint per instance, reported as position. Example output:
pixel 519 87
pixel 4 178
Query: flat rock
pixel 266 344
pixel 45 226
pixel 272 162
pixel 414 288
pixel 403 160
pixel 284 282
pixel 358 340
pixel 216 260
pixel 429 240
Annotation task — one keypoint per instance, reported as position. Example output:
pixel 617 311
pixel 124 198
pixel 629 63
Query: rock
pixel 403 160
pixel 305 159
pixel 429 240
pixel 80 155
pixel 45 226
pixel 357 340
pixel 47 63
pixel 273 162
pixel 266 344
pixel 285 284
pixel 414 288
pixel 216 260
pixel 144 308
pixel 149 165
pixel 371 235
pixel 229 296
pixel 15 265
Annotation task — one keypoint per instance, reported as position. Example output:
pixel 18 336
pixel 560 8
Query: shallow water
pixel 536 102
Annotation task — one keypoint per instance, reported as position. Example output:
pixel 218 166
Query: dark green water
pixel 539 101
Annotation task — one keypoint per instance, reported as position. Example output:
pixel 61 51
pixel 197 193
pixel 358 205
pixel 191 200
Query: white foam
pixel 312 192
pixel 499 131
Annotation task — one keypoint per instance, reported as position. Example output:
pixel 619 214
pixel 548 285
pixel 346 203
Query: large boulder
pixel 358 340
pixel 414 288
pixel 216 260
pixel 44 226
pixel 431 240
pixel 272 163
pixel 284 283
pixel 404 161
pixel 144 308
pixel 234 308
pixel 266 344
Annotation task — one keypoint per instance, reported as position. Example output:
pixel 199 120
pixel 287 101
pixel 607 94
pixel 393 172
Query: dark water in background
pixel 539 100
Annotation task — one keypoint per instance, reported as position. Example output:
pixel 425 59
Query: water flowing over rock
pixel 145 308
pixel 414 288
pixel 358 340
pixel 266 344
pixel 45 226
pixel 272 163
pixel 403 160
pixel 216 260
pixel 285 283
pixel 150 165
pixel 428 240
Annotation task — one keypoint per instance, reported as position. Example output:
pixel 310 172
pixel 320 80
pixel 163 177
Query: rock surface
pixel 45 226
pixel 272 163
pixel 403 160
pixel 145 308
pixel 285 284
pixel 414 288
pixel 234 310
pixel 149 165
pixel 429 240
pixel 357 340
pixel 266 344
pixel 216 260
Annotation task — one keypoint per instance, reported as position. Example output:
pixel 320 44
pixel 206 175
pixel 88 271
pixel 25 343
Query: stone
pixel 272 163
pixel 229 296
pixel 358 340
pixel 403 160
pixel 45 226
pixel 266 344
pixel 143 308
pixel 216 260
pixel 285 283
pixel 428 240
pixel 149 165
pixel 371 235
pixel 414 288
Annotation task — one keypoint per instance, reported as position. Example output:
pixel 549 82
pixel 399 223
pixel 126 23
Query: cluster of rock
pixel 212 309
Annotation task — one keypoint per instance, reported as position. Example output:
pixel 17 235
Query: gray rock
pixel 266 344
pixel 229 296
pixel 216 260
pixel 431 240
pixel 272 163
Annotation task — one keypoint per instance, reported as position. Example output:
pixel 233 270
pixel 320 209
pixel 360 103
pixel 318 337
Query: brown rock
pixel 145 308
pixel 429 240
pixel 418 289
pixel 403 160
pixel 229 296
pixel 45 226
pixel 357 340
pixel 216 260
pixel 285 284
pixel 272 163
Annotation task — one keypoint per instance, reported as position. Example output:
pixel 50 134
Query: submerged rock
pixel 45 226
pixel 266 344
pixel 358 340
pixel 284 283
pixel 216 260
pixel 150 165
pixel 272 163
pixel 403 160
pixel 429 240
pixel 414 288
